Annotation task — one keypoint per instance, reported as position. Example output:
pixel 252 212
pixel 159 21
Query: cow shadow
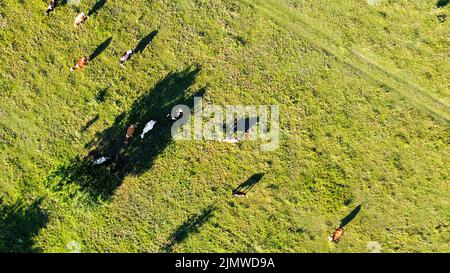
pixel 249 183
pixel 144 42
pixel 97 6
pixel 90 123
pixel 442 3
pixel 136 157
pixel 100 48
pixel 19 224
pixel 101 95
pixel 190 226
pixel 347 219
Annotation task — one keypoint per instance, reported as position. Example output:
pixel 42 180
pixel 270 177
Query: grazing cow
pixel 51 6
pixel 81 63
pixel 80 19
pixel 239 194
pixel 337 235
pixel 148 127
pixel 130 132
pixel 126 57
pixel 101 160
pixel 178 114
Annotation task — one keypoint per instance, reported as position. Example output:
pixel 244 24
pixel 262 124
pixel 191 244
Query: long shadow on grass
pixel 19 224
pixel 100 48
pixel 347 219
pixel 90 123
pixel 249 184
pixel 98 5
pixel 144 42
pixel 101 95
pixel 138 155
pixel 442 3
pixel 190 226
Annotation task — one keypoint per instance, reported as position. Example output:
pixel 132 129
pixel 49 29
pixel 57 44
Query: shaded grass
pixel 442 3
pixel 98 5
pixel 189 227
pixel 347 219
pixel 100 48
pixel 19 224
pixel 136 157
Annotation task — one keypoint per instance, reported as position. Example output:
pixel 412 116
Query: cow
pixel 148 127
pixel 130 132
pixel 239 194
pixel 337 235
pixel 51 6
pixel 80 19
pixel 81 63
pixel 101 160
pixel 126 56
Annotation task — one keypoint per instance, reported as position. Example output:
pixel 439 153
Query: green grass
pixel 363 94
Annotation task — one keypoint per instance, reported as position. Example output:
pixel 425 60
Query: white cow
pixel 148 127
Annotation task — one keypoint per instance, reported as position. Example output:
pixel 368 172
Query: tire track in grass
pixel 323 40
pixel 309 23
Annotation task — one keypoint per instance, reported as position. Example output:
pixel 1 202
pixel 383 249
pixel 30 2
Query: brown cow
pixel 337 235
pixel 130 132
pixel 80 63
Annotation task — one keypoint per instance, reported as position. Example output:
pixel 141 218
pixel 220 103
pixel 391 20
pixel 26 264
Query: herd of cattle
pixel 83 62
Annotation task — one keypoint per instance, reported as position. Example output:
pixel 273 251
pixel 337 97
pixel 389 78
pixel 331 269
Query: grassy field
pixel 363 91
